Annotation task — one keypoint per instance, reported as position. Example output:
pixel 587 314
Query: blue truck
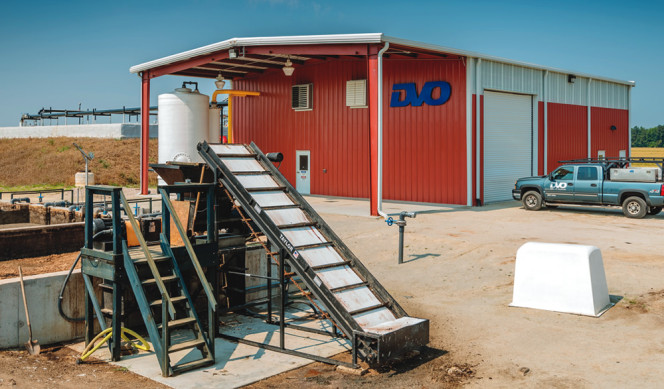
pixel 639 191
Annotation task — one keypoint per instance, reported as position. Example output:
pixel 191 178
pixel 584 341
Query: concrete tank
pixel 183 122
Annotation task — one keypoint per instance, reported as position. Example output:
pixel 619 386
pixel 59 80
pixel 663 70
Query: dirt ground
pixel 56 368
pixel 38 265
pixel 459 274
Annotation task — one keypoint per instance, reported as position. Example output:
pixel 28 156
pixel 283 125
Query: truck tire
pixel 634 207
pixel 654 210
pixel 532 201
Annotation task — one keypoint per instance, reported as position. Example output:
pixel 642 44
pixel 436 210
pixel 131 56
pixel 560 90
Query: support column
pixel 145 130
pixel 372 62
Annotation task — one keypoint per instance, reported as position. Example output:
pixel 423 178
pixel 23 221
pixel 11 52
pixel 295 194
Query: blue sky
pixel 60 54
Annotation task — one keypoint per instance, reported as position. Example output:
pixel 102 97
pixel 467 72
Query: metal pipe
pixel 590 80
pixel 19 199
pixel 380 130
pixel 546 120
pixel 57 204
pixel 478 115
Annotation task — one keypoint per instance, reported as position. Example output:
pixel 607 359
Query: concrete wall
pixel 24 242
pixel 14 213
pixel 42 295
pixel 108 130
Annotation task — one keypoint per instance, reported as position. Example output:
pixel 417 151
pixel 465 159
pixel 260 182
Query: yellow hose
pixel 141 343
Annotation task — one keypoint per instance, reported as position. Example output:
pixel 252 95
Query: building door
pixel 302 171
pixel 508 143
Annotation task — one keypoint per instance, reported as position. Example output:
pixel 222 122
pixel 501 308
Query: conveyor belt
pixel 379 328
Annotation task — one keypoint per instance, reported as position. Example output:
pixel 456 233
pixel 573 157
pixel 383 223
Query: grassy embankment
pixel 49 163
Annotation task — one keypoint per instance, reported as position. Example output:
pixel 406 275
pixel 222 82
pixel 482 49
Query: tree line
pixel 648 137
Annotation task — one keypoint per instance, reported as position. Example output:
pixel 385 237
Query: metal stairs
pixel 161 292
pixel 355 301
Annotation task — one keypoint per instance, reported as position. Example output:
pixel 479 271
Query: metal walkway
pixel 356 302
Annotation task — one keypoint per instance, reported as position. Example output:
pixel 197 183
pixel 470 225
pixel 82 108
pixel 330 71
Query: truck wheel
pixel 654 210
pixel 634 207
pixel 532 201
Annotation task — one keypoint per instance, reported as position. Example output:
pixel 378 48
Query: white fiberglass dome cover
pixel 560 277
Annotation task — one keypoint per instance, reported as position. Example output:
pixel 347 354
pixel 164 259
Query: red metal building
pixel 372 116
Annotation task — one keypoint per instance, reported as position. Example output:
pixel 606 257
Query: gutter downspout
pixel 590 80
pixel 478 115
pixel 545 87
pixel 380 130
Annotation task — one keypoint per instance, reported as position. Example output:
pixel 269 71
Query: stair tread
pixel 185 345
pixel 156 258
pixel 151 281
pixel 179 322
pixel 193 365
pixel 175 299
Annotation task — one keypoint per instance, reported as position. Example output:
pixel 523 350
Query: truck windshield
pixel 563 173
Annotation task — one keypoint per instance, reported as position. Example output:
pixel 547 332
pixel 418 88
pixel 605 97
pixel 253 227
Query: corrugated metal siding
pixel 567 133
pixel 425 147
pixel 563 92
pixel 336 135
pixel 609 95
pixel 511 78
pixel 603 138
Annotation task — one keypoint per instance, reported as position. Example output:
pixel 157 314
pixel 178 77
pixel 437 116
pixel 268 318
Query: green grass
pixel 33 187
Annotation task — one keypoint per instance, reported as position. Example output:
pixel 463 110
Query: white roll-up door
pixel 508 143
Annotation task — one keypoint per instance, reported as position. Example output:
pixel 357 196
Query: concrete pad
pixel 360 207
pixel 236 364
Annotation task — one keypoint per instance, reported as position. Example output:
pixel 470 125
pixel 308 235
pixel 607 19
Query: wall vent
pixel 356 93
pixel 302 97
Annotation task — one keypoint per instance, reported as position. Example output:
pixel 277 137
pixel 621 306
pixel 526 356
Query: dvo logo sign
pixel 404 95
pixel 558 185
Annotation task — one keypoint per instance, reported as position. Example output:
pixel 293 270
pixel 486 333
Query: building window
pixel 356 93
pixel 302 97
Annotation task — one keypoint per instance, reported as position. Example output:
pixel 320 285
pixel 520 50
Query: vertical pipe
pixel 145 130
pixel 590 80
pixel 379 102
pixel 282 299
pixel 469 131
pixel 230 119
pixel 629 121
pixel 478 141
pixel 545 88
pixel 269 286
pixel 401 233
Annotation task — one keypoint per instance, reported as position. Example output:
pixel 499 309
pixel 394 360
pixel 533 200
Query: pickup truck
pixel 590 184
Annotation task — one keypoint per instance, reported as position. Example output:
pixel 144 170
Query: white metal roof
pixel 347 39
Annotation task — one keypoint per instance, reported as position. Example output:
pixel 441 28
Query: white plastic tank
pixel 215 125
pixel 183 122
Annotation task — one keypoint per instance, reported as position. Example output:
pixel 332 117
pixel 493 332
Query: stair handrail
pixel 212 301
pixel 148 255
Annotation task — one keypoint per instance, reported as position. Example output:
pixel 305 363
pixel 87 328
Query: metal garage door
pixel 508 140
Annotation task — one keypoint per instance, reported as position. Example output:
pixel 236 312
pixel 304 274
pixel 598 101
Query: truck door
pixel 561 185
pixel 587 185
